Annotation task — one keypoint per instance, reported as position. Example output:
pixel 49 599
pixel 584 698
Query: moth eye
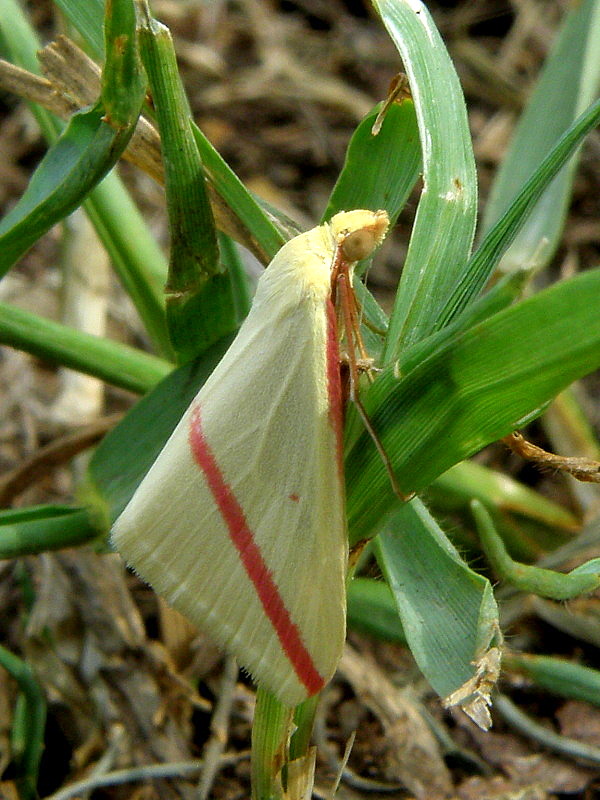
pixel 359 244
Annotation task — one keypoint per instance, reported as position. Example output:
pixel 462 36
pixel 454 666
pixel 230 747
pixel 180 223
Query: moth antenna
pixel 398 92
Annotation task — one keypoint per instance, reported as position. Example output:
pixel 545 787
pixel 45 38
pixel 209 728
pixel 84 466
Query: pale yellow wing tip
pixel 288 689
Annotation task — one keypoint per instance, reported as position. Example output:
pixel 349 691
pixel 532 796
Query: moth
pixel 240 523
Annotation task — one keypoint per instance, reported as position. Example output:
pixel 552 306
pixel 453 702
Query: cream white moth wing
pixel 240 522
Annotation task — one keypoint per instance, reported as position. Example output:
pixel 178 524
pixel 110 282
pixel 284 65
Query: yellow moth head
pixel 358 233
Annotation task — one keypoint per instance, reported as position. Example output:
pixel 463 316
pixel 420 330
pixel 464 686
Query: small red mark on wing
pixel 243 539
pixel 294 497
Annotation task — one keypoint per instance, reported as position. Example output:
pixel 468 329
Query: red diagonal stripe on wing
pixel 254 564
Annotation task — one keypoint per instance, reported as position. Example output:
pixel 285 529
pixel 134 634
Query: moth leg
pixel 350 318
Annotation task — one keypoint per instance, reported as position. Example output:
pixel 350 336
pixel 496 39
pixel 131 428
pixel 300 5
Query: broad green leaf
pixel 445 221
pixel 448 612
pixel 473 390
pixel 380 171
pixel 567 85
pixel 37 529
pixel 200 306
pixel 500 296
pixel 113 362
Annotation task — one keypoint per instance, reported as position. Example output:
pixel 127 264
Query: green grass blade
pixel 544 737
pixel 448 612
pixel 200 306
pixel 19 44
pixel 500 296
pixel 38 529
pixel 266 233
pixel 87 18
pixel 270 734
pixel 567 85
pixel 27 736
pixel 527 577
pixel 499 238
pixel 114 363
pixel 263 231
pixel 379 172
pixel 137 258
pixel 80 158
pixel 564 678
pixel 86 150
pixel 474 390
pixel 240 281
pixel 304 720
pixel 529 523
pixel 445 220
pixel 371 610
pixel 123 80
